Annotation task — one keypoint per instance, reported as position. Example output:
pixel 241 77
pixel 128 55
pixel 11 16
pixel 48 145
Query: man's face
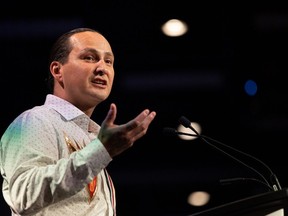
pixel 87 77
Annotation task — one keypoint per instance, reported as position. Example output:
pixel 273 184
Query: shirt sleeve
pixel 36 173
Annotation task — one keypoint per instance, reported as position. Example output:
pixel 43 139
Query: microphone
pixel 186 123
pixel 273 178
pixel 171 131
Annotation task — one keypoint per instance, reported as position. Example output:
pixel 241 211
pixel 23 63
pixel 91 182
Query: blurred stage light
pixel 198 198
pixel 183 129
pixel 174 28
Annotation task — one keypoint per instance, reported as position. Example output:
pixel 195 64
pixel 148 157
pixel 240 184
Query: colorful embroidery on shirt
pixel 74 146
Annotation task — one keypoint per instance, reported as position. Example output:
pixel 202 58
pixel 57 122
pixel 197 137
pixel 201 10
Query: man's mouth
pixel 99 82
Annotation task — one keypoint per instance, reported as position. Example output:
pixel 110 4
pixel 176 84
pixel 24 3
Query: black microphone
pixel 186 123
pixel 273 178
pixel 172 132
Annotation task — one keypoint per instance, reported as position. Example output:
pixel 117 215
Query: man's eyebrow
pixel 97 51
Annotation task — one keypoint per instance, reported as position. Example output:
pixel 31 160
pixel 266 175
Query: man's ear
pixel 55 70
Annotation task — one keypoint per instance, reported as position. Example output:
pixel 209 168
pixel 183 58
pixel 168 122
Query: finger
pixel 142 115
pixel 111 115
pixel 134 123
pixel 138 129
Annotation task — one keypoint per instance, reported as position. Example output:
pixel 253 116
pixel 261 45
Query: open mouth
pixel 99 82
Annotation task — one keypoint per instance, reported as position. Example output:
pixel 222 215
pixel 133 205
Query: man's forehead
pixel 90 41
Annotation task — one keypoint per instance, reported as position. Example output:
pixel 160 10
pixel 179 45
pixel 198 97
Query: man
pixel 53 157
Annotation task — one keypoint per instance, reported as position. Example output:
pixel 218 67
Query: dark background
pixel 200 75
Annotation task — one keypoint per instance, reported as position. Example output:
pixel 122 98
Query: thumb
pixel 111 115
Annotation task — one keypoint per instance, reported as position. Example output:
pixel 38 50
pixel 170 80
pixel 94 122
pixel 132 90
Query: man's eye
pixel 89 58
pixel 109 61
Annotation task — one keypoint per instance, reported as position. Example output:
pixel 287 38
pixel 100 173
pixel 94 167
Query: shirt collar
pixel 71 113
pixel 66 109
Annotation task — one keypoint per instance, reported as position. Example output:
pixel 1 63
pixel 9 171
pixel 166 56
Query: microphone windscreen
pixel 169 131
pixel 185 122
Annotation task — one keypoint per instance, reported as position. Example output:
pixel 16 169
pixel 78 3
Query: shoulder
pixel 36 117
